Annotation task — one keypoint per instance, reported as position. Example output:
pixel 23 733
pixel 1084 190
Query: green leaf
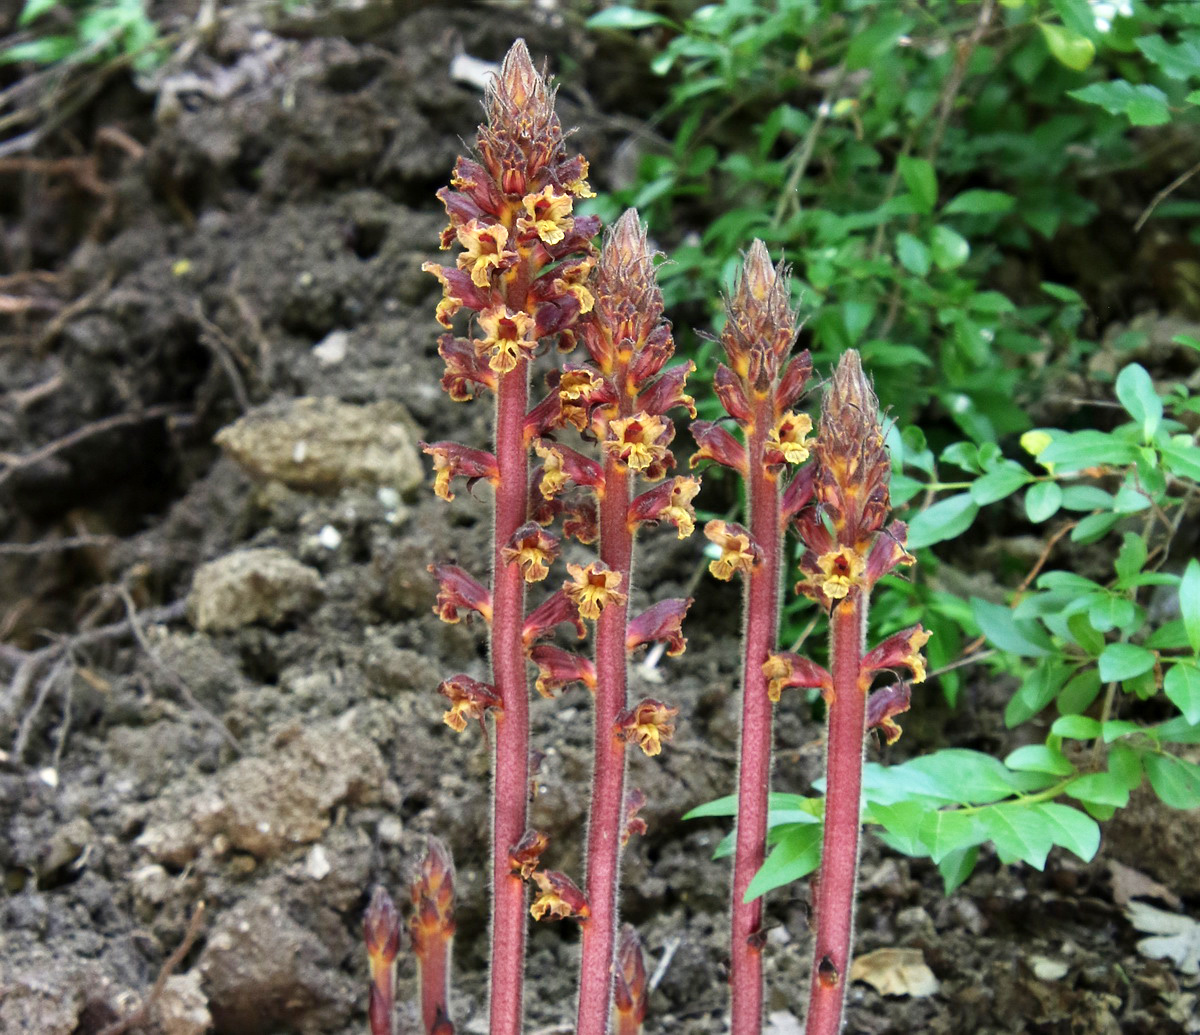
pixel 1071 829
pixel 1086 634
pixel 1182 687
pixel 1018 832
pixel 979 203
pixel 1181 61
pixel 1100 788
pixel 1189 603
pixel 1114 729
pixel 796 856
pixel 1094 527
pixel 1085 497
pixel 969 777
pixel 946 519
pixel 33 10
pixel 1042 501
pixel 44 51
pixel 1040 687
pixel 1182 460
pixel 1024 638
pixel 920 179
pixel 950 249
pixel 1137 395
pixel 913 254
pixel 1077 727
pixel 949 831
pixel 1124 661
pixel 1038 758
pixel 1177 731
pixel 955 867
pixel 1070 48
pixel 1143 105
pixel 877 41
pixel 901 824
pixel 999 483
pixel 1126 765
pixel 1081 690
pixel 726 806
pixel 1088 449
pixel 1131 556
pixel 1175 780
pixel 627 18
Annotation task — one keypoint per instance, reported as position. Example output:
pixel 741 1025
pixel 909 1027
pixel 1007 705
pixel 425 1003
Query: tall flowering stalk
pixel 621 398
pixel 521 272
pixel 848 547
pixel 758 389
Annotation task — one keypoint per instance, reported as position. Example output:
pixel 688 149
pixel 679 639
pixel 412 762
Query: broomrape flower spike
pixel 621 399
pixel 521 275
pixel 847 549
pixel 757 387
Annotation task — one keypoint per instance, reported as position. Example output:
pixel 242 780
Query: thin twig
pixel 23 461
pixel 1163 194
pixel 142 1013
pixel 27 663
pixel 669 950
pixel 170 675
pixel 74 542
pixel 64 316
pixel 789 195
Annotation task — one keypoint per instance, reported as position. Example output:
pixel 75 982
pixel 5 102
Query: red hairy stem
pixel 510 788
pixel 754 768
pixel 608 776
pixel 835 885
pixel 757 390
pixel 849 547
pixel 629 394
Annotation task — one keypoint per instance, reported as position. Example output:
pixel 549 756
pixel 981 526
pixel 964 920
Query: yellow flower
pixel 841 571
pixel 679 511
pixel 788 437
pixel 449 305
pixel 507 337
pixel 737 551
pixel 594 588
pixel 554 476
pixel 549 215
pixel 484 244
pixel 635 441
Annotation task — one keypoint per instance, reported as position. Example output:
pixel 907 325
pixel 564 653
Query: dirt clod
pixel 251 586
pixel 322 445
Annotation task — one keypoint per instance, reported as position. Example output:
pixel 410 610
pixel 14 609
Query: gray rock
pixel 323 445
pixel 251 586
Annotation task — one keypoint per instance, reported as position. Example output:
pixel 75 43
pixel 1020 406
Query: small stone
pixel 323 445
pixel 251 586
pixel 390 830
pixel 1046 969
pixel 181 1008
pixel 332 349
pixel 317 864
pixel 329 537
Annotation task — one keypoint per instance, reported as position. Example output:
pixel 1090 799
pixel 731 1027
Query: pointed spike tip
pixel 518 81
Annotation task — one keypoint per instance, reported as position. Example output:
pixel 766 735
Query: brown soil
pixel 264 736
